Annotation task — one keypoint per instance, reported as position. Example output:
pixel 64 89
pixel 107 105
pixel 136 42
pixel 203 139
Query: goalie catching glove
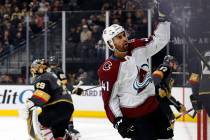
pixel 124 127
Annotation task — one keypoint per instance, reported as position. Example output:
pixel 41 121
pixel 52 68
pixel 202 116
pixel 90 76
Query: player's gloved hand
pixel 78 91
pixel 182 108
pixel 171 127
pixel 162 10
pixel 197 106
pixel 163 92
pixel 124 127
pixel 24 112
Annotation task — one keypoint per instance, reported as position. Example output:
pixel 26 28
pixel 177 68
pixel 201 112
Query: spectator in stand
pixel 74 35
pixel 85 34
pixel 56 5
pixel 139 15
pixel 20 80
pixel 44 6
pixel 105 6
pixel 2 49
pixel 39 19
pixel 7 37
pixel 83 22
pixel 6 79
pixel 95 34
pixel 34 5
pixel 115 21
pixel 18 38
pixel 17 14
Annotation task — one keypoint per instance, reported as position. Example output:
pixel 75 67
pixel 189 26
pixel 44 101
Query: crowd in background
pixel 83 31
pixel 13 16
pixel 13 13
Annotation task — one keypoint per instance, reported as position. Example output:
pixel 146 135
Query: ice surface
pixel 13 128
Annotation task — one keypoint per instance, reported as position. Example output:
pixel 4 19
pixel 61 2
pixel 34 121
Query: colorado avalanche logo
pixel 143 78
pixel 107 66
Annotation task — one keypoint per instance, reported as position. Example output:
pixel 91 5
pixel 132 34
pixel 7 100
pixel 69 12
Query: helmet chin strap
pixel 114 48
pixel 111 44
pixel 121 51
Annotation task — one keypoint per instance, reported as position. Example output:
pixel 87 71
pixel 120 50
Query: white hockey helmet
pixel 109 33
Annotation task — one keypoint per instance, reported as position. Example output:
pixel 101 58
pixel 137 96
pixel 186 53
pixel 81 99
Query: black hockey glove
pixel 162 11
pixel 124 127
pixel 163 92
pixel 79 91
pixel 181 108
pixel 195 103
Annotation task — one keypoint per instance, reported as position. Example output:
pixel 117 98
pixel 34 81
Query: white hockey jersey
pixel 127 87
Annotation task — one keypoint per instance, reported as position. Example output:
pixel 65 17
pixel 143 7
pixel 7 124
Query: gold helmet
pixel 38 67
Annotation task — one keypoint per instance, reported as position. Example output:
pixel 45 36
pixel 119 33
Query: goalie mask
pixel 109 33
pixel 38 67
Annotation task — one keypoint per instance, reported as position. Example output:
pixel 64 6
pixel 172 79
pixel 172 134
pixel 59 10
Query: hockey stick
pixel 177 117
pixel 175 104
pixel 92 88
pixel 77 86
pixel 172 101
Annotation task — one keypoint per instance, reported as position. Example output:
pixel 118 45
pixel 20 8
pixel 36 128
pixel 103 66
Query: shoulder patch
pixel 131 40
pixel 134 43
pixel 145 39
pixel 107 66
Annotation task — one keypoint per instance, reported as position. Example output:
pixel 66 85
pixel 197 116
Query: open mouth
pixel 126 46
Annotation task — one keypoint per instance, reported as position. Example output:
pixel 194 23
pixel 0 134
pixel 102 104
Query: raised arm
pixel 159 40
pixel 145 48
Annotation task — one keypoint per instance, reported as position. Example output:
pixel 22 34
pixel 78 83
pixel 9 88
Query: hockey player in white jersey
pixel 127 88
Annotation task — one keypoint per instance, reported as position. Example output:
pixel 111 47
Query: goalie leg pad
pixel 46 133
pixel 39 132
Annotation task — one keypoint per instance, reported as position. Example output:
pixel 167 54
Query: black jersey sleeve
pixel 60 74
pixel 41 95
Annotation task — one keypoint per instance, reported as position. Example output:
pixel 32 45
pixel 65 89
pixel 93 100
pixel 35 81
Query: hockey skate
pixel 72 134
